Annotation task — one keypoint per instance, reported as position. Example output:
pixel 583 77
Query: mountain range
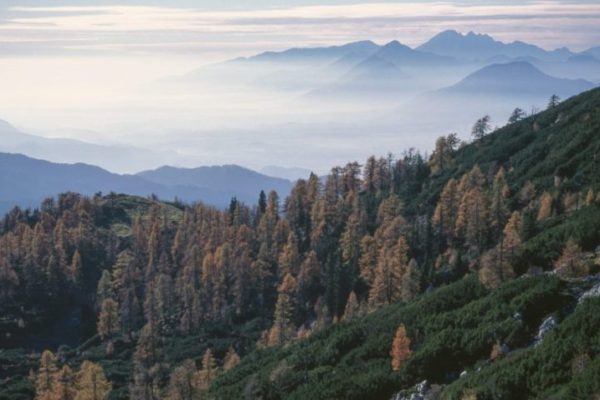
pixel 25 181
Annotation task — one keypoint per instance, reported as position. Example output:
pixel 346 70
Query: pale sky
pixel 68 68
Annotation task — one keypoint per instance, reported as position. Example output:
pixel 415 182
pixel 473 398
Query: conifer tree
pixel 105 288
pixel 411 281
pixel 446 210
pixel 92 383
pixel 183 383
pixel 108 319
pixel 352 309
pixel 498 208
pixel 391 268
pixel 231 359
pixel 209 370
pixel 46 380
pixel 570 264
pixel 65 384
pixel 553 101
pixel 545 210
pixel 517 115
pixel 368 259
pixel 283 327
pixel 481 127
pixel 400 351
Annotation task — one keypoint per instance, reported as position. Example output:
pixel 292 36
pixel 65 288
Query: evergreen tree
pixel 516 115
pixel 481 127
pixel 553 101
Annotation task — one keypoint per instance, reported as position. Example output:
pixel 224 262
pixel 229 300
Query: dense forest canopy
pixel 147 297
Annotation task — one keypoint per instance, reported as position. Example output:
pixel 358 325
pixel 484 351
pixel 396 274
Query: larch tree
pixel 45 383
pixel 65 384
pixel 472 219
pixel 446 210
pixel 183 383
pixel 208 372
pixel 442 156
pixel 400 351
pixel 92 383
pixel 108 319
pixel 546 206
pixel 391 268
pixel 368 259
pixel 283 326
pixel 231 359
pixel 571 264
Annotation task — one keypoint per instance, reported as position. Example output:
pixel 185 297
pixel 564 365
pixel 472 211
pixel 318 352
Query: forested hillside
pixel 379 277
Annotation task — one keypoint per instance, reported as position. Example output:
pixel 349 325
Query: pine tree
pixel 553 101
pixel 108 319
pixel 400 351
pixel 231 359
pixel 481 127
pixel 498 208
pixel 92 383
pixel 516 115
pixel 46 380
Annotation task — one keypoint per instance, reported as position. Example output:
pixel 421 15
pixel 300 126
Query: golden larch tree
pixel 92 383
pixel 400 351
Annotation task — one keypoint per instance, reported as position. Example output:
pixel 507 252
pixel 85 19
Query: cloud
pixel 146 29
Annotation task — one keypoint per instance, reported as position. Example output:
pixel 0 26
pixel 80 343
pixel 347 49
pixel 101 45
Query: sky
pixel 64 63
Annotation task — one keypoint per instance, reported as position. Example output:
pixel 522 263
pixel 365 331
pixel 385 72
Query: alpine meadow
pixel 302 199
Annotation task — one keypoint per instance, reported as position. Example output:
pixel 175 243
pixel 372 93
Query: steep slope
pixel 480 47
pixel 454 329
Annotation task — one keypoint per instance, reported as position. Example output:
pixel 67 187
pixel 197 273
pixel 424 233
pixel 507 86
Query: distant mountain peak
pixel 483 47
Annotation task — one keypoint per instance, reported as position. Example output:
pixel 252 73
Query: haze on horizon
pixel 98 71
